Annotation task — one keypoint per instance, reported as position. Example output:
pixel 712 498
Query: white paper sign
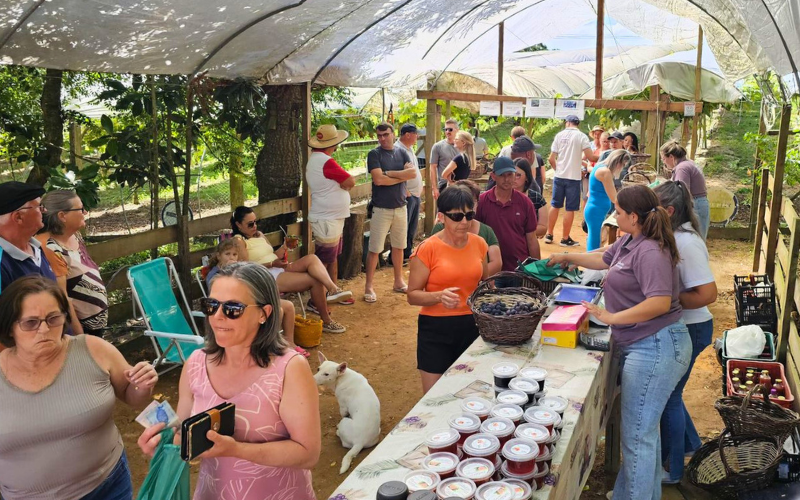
pixel 566 107
pixel 490 108
pixel 540 108
pixel 688 109
pixel 512 109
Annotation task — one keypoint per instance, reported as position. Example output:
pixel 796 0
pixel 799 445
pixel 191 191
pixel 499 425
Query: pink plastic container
pixel 520 455
pixel 477 406
pixel 466 424
pixel 541 416
pixel 479 470
pixel 481 446
pixel 543 470
pixel 509 411
pixel 458 487
pixel 512 397
pixel 499 427
pixel 495 490
pixel 418 480
pixel 443 464
pixel 536 433
pixel 534 373
pixel 522 489
pixel 528 478
pixel 444 441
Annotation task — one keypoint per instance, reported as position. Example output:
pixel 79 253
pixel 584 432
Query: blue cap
pixel 503 165
pixel 573 119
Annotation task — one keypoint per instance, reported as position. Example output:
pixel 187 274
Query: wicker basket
pixel 744 415
pixel 640 177
pixel 307 332
pixel 733 464
pixel 507 330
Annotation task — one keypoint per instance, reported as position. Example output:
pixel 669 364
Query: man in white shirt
pixel 407 141
pixel 568 149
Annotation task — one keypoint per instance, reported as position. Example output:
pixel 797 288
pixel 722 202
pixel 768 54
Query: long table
pixel 586 378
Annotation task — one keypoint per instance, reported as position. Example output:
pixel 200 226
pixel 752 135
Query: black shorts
pixel 442 339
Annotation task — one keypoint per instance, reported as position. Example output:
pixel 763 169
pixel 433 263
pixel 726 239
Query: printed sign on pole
pixel 540 108
pixel 566 107
pixel 490 108
pixel 512 109
pixel 688 109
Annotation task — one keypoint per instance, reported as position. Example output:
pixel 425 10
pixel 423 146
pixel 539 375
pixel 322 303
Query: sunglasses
pixel 449 129
pixel 33 324
pixel 459 216
pixel 251 224
pixel 82 209
pixel 230 308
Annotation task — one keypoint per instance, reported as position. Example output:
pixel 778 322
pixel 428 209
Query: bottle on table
pixel 779 387
pixel 765 380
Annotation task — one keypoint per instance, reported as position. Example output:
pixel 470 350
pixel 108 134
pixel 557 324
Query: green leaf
pixel 116 85
pixel 112 148
pixel 107 124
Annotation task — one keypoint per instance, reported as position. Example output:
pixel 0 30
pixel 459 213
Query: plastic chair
pixel 174 338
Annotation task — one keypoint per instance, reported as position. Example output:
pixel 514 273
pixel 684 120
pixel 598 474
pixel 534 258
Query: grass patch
pixel 731 156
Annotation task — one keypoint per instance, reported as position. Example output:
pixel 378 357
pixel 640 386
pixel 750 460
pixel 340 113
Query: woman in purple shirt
pixel 643 310
pixel 673 155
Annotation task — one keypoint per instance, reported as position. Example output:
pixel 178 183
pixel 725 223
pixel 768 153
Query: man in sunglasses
pixel 442 153
pixel 20 219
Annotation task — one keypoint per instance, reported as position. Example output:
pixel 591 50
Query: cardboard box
pixel 564 325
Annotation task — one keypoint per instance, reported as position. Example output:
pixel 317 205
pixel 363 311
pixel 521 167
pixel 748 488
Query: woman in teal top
pixel 602 195
pixel 479 228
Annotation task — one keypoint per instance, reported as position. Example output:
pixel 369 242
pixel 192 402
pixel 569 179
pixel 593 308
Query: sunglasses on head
pixel 459 216
pixel 230 308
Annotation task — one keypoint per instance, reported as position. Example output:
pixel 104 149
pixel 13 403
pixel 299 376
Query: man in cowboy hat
pixel 329 187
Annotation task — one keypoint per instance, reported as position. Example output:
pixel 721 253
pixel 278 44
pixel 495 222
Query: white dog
pixel 359 407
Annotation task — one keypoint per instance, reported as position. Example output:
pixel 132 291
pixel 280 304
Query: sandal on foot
pixel 370 298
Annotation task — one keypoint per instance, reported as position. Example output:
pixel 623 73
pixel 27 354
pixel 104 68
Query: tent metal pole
pixel 500 34
pixel 598 68
pixel 698 69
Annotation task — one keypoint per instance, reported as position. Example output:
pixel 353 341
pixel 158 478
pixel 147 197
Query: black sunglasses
pixel 252 223
pixel 459 216
pixel 449 129
pixel 230 308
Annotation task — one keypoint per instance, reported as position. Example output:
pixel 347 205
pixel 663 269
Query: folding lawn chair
pixel 174 338
pixel 198 275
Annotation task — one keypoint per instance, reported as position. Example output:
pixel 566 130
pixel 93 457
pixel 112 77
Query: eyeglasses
pixel 251 224
pixel 82 209
pixel 33 324
pixel 230 308
pixel 39 208
pixel 459 216
pixel 449 129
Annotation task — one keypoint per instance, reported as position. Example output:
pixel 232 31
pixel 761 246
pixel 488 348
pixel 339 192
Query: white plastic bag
pixel 747 341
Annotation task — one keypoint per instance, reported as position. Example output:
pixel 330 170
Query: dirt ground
pixel 380 343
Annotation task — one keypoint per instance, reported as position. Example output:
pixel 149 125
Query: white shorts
pixel 388 221
pixel 327 231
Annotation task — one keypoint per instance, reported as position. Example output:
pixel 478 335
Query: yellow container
pixel 307 332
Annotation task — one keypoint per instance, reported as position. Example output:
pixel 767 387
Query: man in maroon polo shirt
pixel 510 214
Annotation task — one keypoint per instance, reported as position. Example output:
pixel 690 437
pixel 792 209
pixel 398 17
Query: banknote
pixel 156 413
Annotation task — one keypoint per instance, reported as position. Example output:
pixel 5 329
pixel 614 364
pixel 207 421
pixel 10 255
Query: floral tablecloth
pixel 586 378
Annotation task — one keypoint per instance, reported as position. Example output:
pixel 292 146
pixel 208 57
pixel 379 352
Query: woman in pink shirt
pixel 276 440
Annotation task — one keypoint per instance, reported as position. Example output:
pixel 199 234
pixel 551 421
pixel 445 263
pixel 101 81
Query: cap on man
pixel 20 219
pixel 524 147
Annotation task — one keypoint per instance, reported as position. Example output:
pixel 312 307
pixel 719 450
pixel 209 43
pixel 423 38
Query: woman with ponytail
pixel 643 309
pixel 682 169
pixel 464 162
pixel 698 290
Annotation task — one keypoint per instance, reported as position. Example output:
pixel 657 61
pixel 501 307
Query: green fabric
pixel 162 311
pixel 485 232
pixel 538 269
pixel 168 478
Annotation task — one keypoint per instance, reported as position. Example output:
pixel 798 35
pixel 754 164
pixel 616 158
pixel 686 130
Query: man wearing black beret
pixel 20 219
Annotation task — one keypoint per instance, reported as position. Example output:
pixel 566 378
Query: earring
pixel 262 322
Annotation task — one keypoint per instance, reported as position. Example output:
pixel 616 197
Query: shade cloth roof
pixel 369 43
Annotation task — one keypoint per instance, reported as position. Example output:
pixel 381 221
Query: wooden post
pixel 350 260
pixel 787 306
pixel 383 105
pixel 697 74
pixel 598 68
pixel 762 129
pixel 431 138
pixel 761 210
pixel 684 130
pixel 500 35
pixel 653 126
pixel 305 151
pixel 773 232
pixel 447 113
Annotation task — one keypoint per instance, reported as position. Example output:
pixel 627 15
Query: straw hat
pixel 327 136
pixel 598 127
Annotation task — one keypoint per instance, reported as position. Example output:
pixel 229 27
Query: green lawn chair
pixel 174 338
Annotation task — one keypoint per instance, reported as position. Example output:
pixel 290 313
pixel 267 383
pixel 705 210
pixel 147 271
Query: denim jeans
pixel 677 429
pixel 703 212
pixel 650 370
pixel 412 208
pixel 117 486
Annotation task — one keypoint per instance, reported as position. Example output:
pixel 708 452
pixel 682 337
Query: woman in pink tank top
pixel 246 362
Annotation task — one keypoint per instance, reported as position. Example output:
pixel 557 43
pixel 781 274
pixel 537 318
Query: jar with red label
pixel 481 446
pixel 509 411
pixel 536 433
pixel 466 424
pixel 529 386
pixel 495 490
pixel 545 458
pixel 522 489
pixel 501 428
pixel 443 464
pixel 520 455
pixel 555 403
pixel 534 373
pixel 528 478
pixel 503 373
pixel 479 470
pixel 512 397
pixel 477 406
pixel 443 441
pixel 541 416
pixel 418 480
pixel 542 471
pixel 456 487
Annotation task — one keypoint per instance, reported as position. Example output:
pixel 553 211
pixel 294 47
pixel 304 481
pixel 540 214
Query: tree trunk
pixel 278 164
pixel 53 128
pixel 236 176
pixel 352 244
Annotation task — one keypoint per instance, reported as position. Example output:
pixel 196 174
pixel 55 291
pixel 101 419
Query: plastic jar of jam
pixel 503 373
pixel 534 373
pixel 522 489
pixel 534 432
pixel 559 423
pixel 497 464
pixel 477 406
pixel 392 490
pixel 443 464
pixel 529 386
pixel 555 403
pixel 541 416
pixel 466 424
pixel 544 458
pixel 499 427
pixel 418 480
pixel 528 478
pixel 495 490
pixel 554 437
pixel 509 411
pixel 423 495
pixel 482 446
pixel 520 455
pixel 512 397
pixel 456 487
pixel 443 441
pixel 543 470
pixel 541 394
pixel 479 470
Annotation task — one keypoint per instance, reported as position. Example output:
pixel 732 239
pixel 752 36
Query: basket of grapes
pixel 507 316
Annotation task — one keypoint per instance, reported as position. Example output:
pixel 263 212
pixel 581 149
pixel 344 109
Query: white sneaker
pixel 339 296
pixel 610 494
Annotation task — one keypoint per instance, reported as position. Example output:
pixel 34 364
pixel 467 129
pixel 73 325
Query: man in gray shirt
pixel 442 154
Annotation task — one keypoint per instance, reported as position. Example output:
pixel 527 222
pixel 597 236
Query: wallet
pixel 194 442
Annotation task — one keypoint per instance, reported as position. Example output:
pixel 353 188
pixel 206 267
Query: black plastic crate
pixel 755 304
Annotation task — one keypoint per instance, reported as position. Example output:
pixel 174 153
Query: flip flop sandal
pixel 370 298
pixel 400 290
pixel 302 352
